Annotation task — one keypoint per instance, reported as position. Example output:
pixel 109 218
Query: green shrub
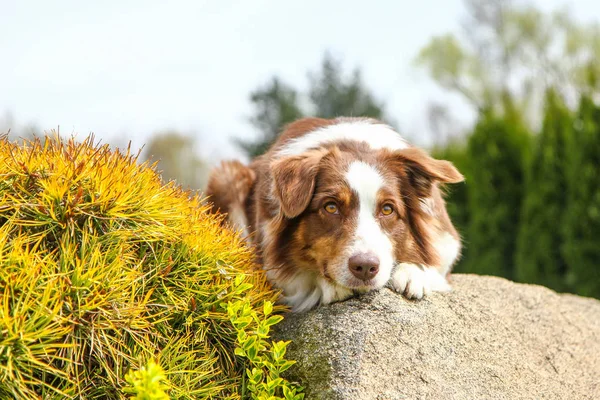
pixel 497 151
pixel 266 359
pixel 104 270
pixel 539 259
pixel 581 247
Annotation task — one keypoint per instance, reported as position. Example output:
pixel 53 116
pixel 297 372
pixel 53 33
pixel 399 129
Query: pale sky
pixel 126 69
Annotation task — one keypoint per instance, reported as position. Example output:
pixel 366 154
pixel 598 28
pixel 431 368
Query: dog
pixel 338 207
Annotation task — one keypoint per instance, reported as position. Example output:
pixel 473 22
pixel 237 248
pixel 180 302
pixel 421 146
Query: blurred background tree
pixel 539 258
pixel 581 222
pixel 275 105
pixel 17 130
pixel 330 95
pixel 177 159
pixel 496 150
pixel 513 47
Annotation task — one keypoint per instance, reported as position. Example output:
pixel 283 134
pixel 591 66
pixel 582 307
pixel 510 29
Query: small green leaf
pixel 286 365
pixel 267 308
pixel 262 331
pixel 242 322
pixel 272 320
pixel 239 352
pixel 238 280
pixel 251 354
pixel 257 374
pixel 250 342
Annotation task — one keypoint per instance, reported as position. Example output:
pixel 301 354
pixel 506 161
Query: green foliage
pixel 147 383
pixel 496 151
pixel 275 104
pixel 450 65
pixel 539 259
pixel 330 94
pixel 582 219
pixel 514 47
pixel 265 361
pixel 103 268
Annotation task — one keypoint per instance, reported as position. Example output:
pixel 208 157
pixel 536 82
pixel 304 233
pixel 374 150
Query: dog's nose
pixel 364 265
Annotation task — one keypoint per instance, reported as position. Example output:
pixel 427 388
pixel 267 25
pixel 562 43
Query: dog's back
pixel 229 188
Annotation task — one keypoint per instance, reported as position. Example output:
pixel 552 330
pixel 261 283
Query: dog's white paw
pixel 415 282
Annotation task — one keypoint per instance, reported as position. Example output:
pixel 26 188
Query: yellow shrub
pixel 104 269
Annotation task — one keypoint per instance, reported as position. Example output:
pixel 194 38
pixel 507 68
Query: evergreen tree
pixel 581 247
pixel 496 150
pixel 539 259
pixel 332 96
pixel 275 105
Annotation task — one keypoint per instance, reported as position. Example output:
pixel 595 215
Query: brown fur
pixel 230 185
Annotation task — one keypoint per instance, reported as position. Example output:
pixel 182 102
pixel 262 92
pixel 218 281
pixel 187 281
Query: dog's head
pixel 353 210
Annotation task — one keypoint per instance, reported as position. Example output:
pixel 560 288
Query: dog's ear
pixel 423 170
pixel 419 171
pixel 294 181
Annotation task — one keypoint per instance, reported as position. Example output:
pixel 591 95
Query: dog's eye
pixel 387 209
pixel 331 208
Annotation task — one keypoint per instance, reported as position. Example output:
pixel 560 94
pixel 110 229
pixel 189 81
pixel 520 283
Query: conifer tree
pixel 581 247
pixel 539 259
pixel 330 94
pixel 497 150
pixel 276 105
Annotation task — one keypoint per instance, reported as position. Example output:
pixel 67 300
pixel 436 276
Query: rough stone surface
pixel 487 339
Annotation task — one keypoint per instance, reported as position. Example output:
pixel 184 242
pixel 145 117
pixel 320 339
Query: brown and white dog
pixel 343 206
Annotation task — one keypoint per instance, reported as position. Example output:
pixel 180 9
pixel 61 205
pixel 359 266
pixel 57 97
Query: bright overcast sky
pixel 126 69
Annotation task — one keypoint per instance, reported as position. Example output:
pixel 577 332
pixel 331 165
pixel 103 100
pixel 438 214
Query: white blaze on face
pixel 366 181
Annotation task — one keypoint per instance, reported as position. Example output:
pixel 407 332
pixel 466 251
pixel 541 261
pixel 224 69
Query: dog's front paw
pixel 415 282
